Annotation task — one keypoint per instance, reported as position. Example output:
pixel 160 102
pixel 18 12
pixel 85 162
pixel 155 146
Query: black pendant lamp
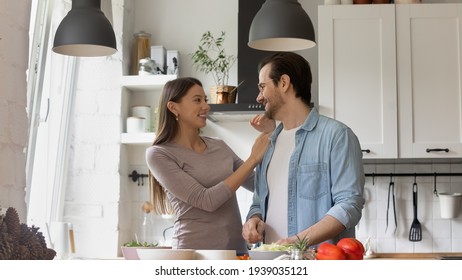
pixel 281 25
pixel 85 31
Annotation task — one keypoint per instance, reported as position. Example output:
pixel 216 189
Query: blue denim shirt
pixel 326 176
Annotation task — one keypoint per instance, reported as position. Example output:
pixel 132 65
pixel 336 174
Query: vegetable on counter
pixel 329 251
pixel 352 247
pixel 243 257
pixel 346 249
pixel 272 247
pixel 135 243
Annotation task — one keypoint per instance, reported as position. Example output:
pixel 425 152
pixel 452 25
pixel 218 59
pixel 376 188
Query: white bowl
pixel 130 253
pixel 265 255
pixel 165 254
pixel 215 255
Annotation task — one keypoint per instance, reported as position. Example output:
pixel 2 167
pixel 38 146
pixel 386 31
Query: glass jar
pixel 297 254
pixel 141 49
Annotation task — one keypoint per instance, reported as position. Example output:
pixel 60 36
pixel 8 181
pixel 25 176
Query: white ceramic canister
pixel 450 205
pixel 136 125
pixel 143 111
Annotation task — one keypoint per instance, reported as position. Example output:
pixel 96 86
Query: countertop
pixel 415 256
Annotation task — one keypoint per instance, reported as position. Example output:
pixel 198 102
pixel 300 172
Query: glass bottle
pixel 141 49
pixel 147 229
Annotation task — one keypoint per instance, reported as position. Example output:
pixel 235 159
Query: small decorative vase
pixel 223 94
pixel 297 254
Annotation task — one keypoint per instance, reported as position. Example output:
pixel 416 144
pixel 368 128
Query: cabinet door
pixel 357 73
pixel 429 79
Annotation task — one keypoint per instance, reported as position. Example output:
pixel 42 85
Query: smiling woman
pixel 205 203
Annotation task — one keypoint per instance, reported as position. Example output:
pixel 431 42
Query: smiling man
pixel 310 183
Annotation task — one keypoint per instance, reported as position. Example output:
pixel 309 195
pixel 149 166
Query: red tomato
pixel 329 251
pixel 352 247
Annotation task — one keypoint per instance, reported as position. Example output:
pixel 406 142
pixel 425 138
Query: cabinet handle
pixel 438 150
pixel 366 151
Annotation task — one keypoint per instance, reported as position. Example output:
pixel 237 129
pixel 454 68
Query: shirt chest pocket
pixel 312 181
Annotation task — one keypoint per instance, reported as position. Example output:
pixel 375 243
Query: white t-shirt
pixel 278 178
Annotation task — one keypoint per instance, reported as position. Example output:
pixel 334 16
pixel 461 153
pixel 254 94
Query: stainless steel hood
pixel 238 108
pixel 234 112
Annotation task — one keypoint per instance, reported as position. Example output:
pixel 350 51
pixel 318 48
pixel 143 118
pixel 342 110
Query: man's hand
pixel 253 230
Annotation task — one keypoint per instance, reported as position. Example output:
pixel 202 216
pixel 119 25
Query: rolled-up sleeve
pixel 347 178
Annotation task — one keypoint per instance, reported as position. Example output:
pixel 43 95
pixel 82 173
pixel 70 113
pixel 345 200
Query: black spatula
pixel 415 234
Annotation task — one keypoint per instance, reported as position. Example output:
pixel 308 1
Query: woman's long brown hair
pixel 167 128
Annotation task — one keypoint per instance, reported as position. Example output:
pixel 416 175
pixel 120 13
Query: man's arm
pixel 327 228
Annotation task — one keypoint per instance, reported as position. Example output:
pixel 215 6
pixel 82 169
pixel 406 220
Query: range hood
pixel 234 112
pixel 247 68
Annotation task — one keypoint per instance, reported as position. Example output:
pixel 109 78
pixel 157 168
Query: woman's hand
pixel 259 147
pixel 263 123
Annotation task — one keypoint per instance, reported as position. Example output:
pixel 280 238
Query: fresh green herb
pixel 301 244
pixel 135 243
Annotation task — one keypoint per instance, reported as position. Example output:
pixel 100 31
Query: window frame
pixel 50 95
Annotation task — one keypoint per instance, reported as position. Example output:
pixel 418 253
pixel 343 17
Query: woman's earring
pixel 176 117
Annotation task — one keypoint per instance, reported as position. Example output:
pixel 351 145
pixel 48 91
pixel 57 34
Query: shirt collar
pixel 308 125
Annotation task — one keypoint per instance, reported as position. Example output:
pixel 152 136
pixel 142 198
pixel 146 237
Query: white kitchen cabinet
pixel 393 74
pixel 429 61
pixel 141 90
pixel 357 73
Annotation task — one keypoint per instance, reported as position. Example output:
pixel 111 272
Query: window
pixel 50 94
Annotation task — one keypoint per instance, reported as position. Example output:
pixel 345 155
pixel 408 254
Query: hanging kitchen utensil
pixel 148 206
pixel 391 196
pixel 435 192
pixel 415 234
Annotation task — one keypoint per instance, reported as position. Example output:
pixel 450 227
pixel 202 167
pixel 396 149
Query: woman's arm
pixel 172 177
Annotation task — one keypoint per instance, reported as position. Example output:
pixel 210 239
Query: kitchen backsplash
pixel 438 235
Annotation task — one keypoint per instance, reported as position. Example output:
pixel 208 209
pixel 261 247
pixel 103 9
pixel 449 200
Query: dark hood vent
pixel 247 68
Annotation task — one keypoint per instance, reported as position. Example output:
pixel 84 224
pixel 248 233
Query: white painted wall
pixel 14 44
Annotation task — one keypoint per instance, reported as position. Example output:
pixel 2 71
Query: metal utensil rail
pixel 391 175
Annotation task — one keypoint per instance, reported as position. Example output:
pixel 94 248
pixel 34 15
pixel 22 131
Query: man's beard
pixel 274 107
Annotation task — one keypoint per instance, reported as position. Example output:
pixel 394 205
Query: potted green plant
pixel 210 57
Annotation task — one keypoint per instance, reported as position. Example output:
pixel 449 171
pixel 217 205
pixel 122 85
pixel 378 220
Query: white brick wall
pixel 14 44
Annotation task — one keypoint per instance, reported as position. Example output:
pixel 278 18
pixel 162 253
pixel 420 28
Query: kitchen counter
pixel 416 256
